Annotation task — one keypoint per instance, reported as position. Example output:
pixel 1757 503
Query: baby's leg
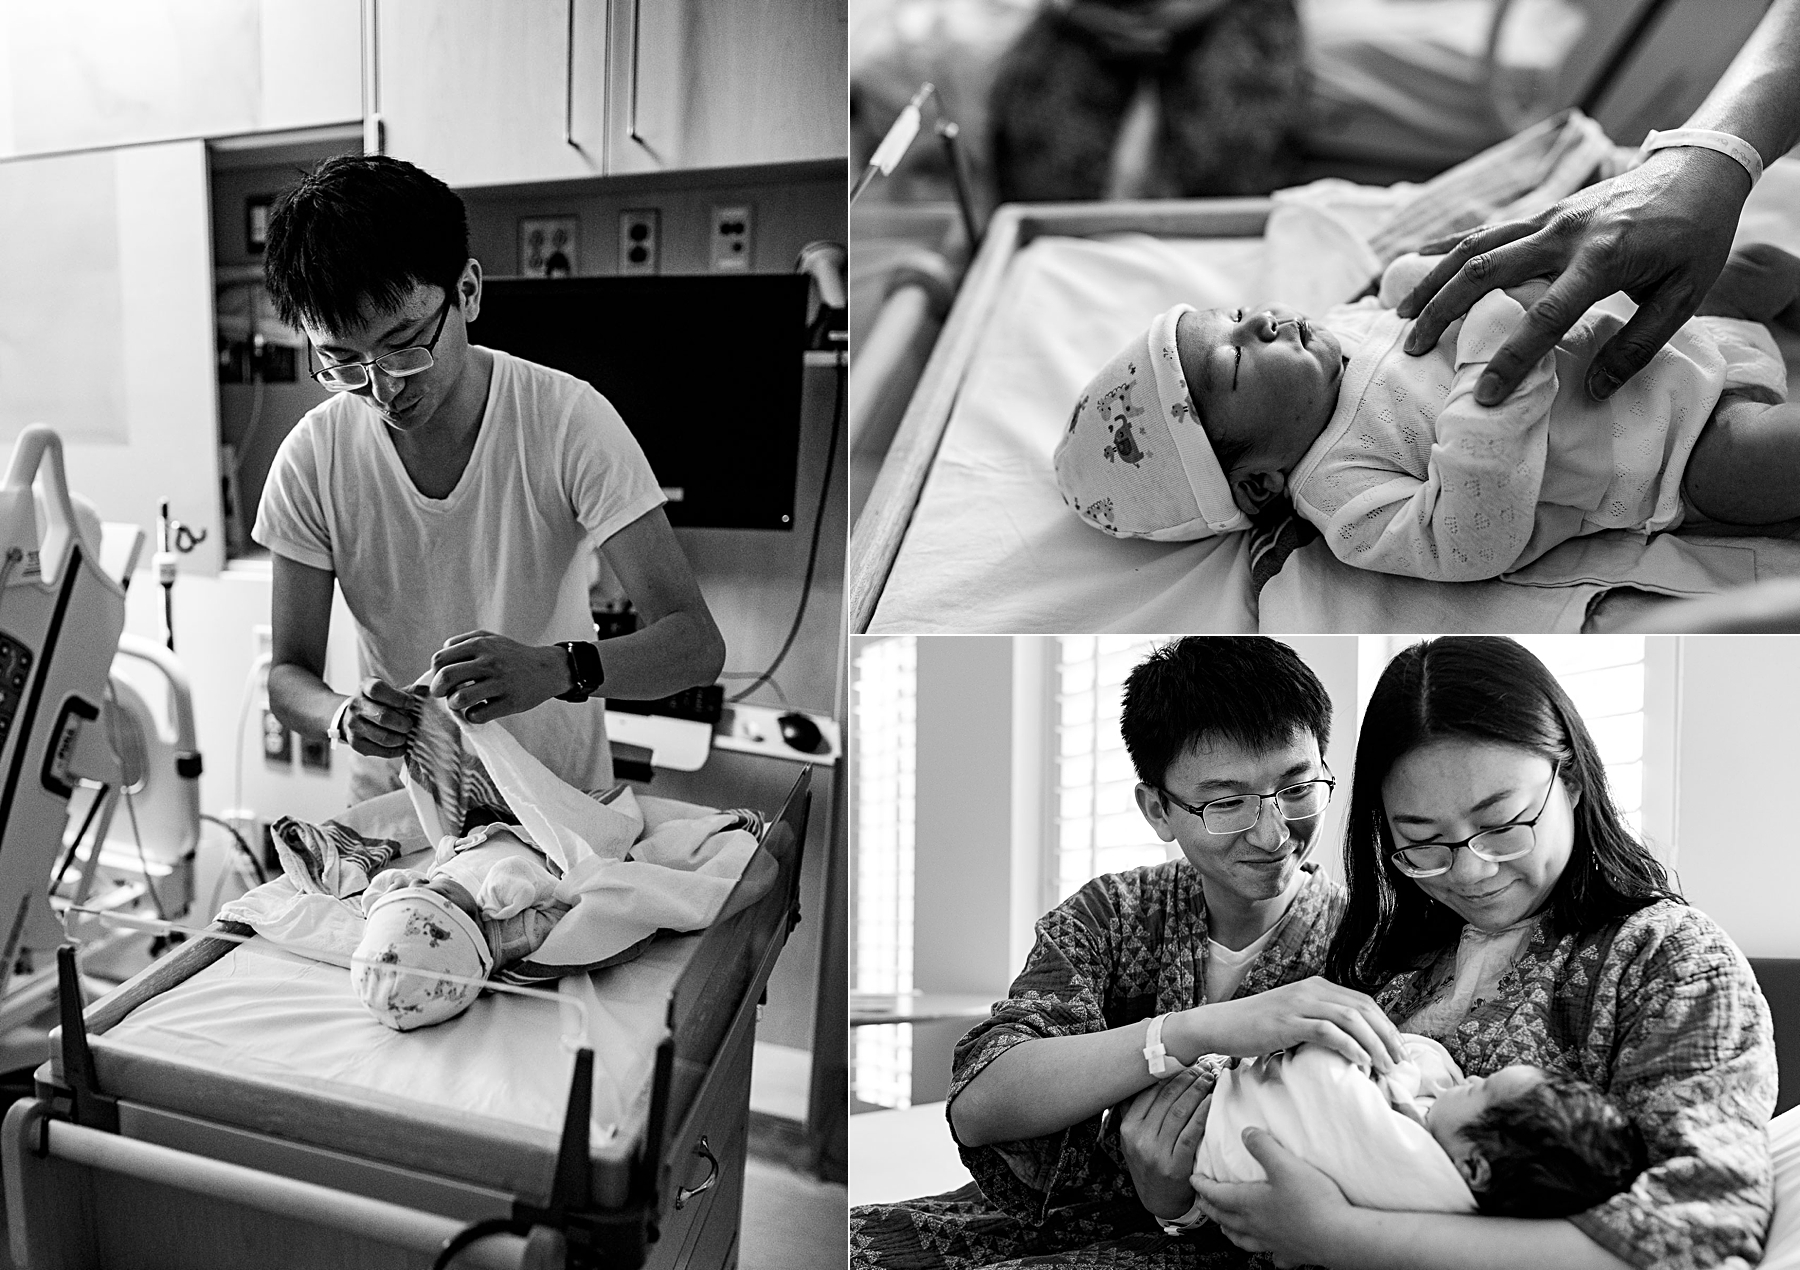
pixel 1745 468
pixel 1760 283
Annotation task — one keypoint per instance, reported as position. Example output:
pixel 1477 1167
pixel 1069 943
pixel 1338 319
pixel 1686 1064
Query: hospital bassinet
pixel 134 1158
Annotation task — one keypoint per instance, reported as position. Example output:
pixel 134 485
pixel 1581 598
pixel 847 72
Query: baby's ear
pixel 1253 490
pixel 1474 1168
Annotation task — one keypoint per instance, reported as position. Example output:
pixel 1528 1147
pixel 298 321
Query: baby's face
pixel 1461 1105
pixel 1266 376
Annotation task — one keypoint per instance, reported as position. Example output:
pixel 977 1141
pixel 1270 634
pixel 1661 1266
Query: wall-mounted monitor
pixel 706 372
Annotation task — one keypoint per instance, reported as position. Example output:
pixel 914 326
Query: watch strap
pixel 586 673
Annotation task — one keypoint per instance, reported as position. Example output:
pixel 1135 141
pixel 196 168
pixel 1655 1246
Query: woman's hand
pixel 483 676
pixel 1660 233
pixel 1314 1009
pixel 1159 1134
pixel 1294 1215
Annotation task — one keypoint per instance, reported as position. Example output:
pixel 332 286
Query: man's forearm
pixel 675 652
pixel 300 699
pixel 1756 98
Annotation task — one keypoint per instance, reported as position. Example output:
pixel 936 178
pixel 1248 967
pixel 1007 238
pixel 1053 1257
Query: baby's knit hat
pixel 1135 461
pixel 415 928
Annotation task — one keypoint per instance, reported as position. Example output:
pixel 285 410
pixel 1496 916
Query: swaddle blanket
pixel 1365 1131
pixel 622 867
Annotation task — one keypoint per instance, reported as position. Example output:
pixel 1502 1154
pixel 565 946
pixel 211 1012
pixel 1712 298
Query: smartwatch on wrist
pixel 585 672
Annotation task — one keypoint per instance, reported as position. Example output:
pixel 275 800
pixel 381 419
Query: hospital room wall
pixel 1737 755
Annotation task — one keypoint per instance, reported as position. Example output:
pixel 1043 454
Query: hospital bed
pixel 964 529
pixel 162 1144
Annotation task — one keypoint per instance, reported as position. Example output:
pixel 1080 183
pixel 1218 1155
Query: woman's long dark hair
pixel 1485 689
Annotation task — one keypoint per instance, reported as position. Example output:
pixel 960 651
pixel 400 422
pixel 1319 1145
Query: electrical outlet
pixel 731 239
pixel 640 241
pixel 315 754
pixel 278 742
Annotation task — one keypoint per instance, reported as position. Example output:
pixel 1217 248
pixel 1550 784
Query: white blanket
pixel 629 868
pixel 1338 1118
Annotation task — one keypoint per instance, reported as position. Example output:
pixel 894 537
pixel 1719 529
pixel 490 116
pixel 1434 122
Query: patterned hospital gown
pixel 1662 1012
pixel 1127 946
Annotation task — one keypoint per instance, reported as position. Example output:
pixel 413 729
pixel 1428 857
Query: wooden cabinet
pixel 725 83
pixel 491 92
pixel 84 74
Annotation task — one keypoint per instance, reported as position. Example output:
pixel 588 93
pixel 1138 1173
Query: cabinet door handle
pixel 631 128
pixel 569 84
pixel 685 1193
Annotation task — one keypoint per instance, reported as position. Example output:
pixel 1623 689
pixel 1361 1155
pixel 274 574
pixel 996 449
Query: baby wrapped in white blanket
pixel 1521 1142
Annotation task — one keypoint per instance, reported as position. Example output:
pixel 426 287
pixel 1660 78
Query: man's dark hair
pixel 1558 1148
pixel 1251 691
pixel 358 229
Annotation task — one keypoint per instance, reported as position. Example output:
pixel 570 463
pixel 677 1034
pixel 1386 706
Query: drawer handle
pixel 685 1193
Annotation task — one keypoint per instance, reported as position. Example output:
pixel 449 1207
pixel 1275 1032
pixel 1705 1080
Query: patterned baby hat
pixel 1134 461
pixel 415 928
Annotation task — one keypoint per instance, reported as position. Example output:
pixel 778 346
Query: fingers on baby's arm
pixel 1634 345
pixel 1467 271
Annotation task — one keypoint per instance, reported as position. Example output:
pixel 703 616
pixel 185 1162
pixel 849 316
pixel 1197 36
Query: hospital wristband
pixel 1154 1054
pixel 338 733
pixel 1707 139
pixel 1184 1223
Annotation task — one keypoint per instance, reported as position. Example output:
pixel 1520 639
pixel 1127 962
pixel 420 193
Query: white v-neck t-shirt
pixel 554 471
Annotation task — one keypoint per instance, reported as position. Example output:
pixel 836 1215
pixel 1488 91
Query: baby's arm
pixel 1472 515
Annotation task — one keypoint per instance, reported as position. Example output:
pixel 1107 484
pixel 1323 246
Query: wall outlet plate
pixel 315 754
pixel 278 742
pixel 640 241
pixel 731 238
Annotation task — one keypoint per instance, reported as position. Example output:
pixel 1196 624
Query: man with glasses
pixel 1139 974
pixel 454 493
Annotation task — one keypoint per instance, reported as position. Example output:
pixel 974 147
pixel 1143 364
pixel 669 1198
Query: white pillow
pixel 1781 1251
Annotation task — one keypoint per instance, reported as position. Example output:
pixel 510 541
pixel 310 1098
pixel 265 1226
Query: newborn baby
pixel 1214 415
pixel 1523 1142
pixel 487 901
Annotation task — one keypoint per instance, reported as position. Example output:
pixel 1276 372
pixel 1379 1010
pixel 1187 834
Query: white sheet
pixel 265 1012
pixel 991 546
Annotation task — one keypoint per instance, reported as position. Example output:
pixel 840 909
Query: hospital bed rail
pixel 880 529
pixel 85 1167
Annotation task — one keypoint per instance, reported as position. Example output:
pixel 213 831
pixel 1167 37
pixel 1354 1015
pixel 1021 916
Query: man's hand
pixel 1293 1215
pixel 378 721
pixel 483 676
pixel 1159 1134
pixel 1314 1009
pixel 1660 233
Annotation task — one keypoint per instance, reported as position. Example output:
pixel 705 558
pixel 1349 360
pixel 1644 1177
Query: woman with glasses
pixel 1497 903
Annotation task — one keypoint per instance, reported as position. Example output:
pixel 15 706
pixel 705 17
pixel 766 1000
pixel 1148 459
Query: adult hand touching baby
pixel 483 676
pixel 1296 1215
pixel 1316 1009
pixel 1160 1133
pixel 1660 233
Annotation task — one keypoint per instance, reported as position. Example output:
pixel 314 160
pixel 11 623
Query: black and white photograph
pixel 1336 950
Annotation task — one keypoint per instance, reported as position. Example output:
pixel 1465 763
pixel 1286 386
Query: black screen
pixel 706 372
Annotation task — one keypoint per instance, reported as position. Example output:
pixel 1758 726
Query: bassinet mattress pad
pixel 265 1013
pixel 991 546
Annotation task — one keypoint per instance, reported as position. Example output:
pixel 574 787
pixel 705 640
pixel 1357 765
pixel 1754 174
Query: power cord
pixel 243 845
pixel 472 1233
pixel 812 552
